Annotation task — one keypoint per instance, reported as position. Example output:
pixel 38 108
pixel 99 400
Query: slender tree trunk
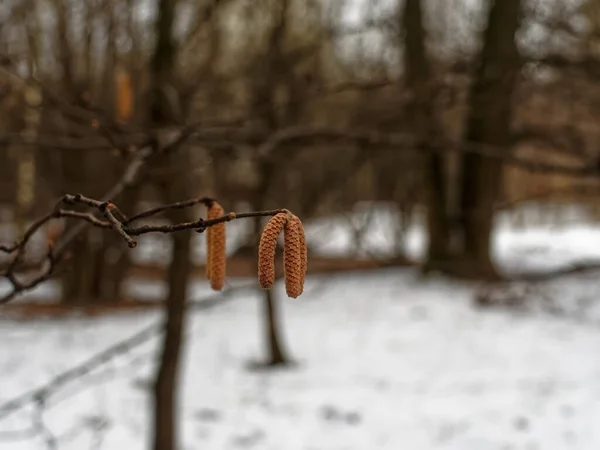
pixel 268 73
pixel 178 277
pixel 162 112
pixel 277 356
pixel 112 264
pixel 165 386
pixel 78 280
pixel 489 122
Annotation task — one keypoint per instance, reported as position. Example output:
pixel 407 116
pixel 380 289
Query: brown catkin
pixel 211 214
pixel 294 256
pixel 217 259
pixel 266 250
pixel 124 101
pixel 304 247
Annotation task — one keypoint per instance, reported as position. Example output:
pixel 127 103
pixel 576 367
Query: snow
pixel 385 360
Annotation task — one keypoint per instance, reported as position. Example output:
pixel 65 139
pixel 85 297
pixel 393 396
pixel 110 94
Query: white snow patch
pixel 385 361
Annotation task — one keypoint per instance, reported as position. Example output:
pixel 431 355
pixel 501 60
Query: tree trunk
pixel 162 112
pixel 113 259
pixel 78 280
pixel 268 71
pixel 94 275
pixel 112 264
pixel 165 387
pixel 277 355
pixel 489 122
pixel 421 109
pixel 166 383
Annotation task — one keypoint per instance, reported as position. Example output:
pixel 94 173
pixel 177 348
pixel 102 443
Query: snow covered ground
pixel 385 361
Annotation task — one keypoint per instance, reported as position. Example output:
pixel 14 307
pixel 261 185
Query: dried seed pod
pixel 217 259
pixel 266 250
pixel 294 256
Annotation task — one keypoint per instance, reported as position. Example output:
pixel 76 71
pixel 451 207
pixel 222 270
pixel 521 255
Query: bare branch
pixel 116 220
pixel 179 205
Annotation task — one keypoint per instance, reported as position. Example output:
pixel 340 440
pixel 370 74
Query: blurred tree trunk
pixel 277 355
pixel 161 112
pixel 166 383
pixel 100 262
pixel 421 109
pixel 77 280
pixel 269 69
pixel 112 260
pixel 489 122
pixel 26 156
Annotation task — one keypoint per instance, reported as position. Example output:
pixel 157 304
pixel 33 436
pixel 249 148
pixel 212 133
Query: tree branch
pixel 115 220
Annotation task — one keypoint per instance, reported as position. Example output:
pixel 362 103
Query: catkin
pixel 124 101
pixel 294 256
pixel 266 250
pixel 216 259
pixel 209 215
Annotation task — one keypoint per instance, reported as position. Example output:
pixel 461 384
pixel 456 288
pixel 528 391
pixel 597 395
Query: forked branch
pixel 113 218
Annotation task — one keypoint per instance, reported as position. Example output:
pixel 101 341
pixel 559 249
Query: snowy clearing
pixel 385 361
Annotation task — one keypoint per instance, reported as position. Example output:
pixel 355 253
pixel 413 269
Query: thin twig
pixel 207 201
pixel 55 254
pixel 115 219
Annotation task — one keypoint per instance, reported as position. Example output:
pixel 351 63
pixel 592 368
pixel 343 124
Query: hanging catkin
pixel 216 259
pixel 266 250
pixel 294 256
pixel 209 215
pixel 124 101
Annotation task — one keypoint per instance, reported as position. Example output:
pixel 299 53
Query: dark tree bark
pixel 78 279
pixel 277 356
pixel 421 109
pixel 89 278
pixel 166 383
pixel 489 122
pixel 113 261
pixel 161 112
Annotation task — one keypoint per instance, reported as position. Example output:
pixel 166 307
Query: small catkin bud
pixel 213 213
pixel 217 254
pixel 266 250
pixel 294 256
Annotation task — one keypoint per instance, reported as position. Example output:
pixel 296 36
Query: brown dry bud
pixel 217 259
pixel 294 256
pixel 266 250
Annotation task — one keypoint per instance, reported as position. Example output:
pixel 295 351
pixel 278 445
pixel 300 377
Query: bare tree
pixel 489 122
